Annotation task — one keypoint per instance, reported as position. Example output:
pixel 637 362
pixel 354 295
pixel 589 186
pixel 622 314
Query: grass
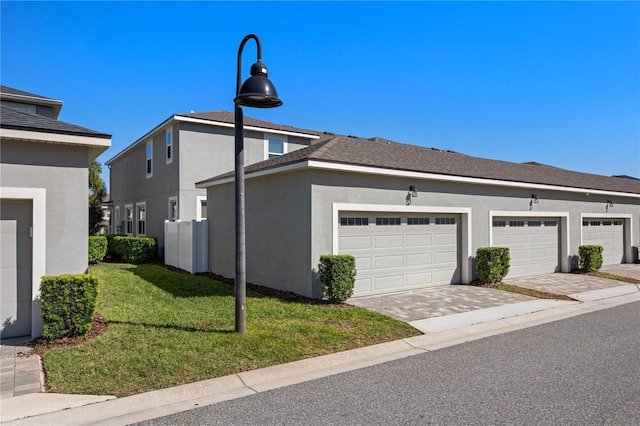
pixel 167 328
pixel 616 277
pixel 533 293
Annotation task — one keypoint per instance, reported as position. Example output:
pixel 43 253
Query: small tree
pixel 97 192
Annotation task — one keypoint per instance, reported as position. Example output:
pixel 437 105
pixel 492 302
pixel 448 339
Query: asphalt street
pixel 580 371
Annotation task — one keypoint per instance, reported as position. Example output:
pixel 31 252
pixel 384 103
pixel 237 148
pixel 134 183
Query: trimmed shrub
pixel 135 249
pixel 97 249
pixel 337 274
pixel 68 304
pixel 110 244
pixel 492 263
pixel 590 257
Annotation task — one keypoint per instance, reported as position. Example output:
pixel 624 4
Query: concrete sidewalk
pixel 439 332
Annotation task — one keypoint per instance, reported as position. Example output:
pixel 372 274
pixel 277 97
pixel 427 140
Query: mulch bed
pixel 98 326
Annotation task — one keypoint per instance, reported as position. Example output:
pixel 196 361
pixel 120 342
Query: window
pixel 617 223
pixel 116 224
pixel 417 221
pixel 387 221
pixel 516 223
pixel 141 218
pixel 201 207
pixel 354 221
pixel 173 208
pixel 169 146
pixel 607 223
pixel 445 221
pixel 595 223
pixel 149 159
pixel 499 223
pixel 275 147
pixel 128 217
pixel 534 223
pixel 550 223
pixel 585 223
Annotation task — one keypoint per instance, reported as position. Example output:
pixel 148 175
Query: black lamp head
pixel 258 91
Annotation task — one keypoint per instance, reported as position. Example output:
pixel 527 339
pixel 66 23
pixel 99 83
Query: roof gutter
pixel 324 165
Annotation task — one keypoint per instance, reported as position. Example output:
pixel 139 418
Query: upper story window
pixel 149 161
pixel 275 146
pixel 169 142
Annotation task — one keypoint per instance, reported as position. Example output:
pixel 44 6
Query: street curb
pixel 168 401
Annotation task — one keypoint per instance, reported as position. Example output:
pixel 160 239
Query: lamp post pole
pixel 256 92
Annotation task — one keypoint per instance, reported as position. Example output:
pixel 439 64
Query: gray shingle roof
pixel 20 120
pixel 228 117
pixel 385 154
pixel 11 91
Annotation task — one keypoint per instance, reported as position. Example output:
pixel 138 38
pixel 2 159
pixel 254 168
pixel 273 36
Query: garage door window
pixel 445 221
pixel 516 223
pixel 388 221
pixel 354 221
pixel 417 221
pixel 550 223
pixel 534 223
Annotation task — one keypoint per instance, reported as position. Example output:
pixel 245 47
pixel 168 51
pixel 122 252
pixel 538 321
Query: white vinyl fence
pixel 185 245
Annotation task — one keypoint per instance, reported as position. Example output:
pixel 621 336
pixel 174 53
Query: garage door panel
pixel 445 239
pixel 445 258
pixel 355 242
pixel 386 262
pixel 421 240
pixel 363 285
pixel 516 239
pixel 363 264
pixel 419 259
pixel 388 241
pixel 387 282
pixel 414 280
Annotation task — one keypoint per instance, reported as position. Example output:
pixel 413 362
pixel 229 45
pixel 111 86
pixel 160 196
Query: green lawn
pixel 167 328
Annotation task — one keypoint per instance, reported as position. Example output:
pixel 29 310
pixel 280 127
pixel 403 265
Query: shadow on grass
pixel 181 284
pixel 172 327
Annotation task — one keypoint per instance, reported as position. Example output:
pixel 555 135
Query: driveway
pixel 414 305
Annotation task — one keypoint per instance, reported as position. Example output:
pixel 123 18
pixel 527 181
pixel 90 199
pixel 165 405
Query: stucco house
pixel 412 216
pixel 43 195
pixel 153 179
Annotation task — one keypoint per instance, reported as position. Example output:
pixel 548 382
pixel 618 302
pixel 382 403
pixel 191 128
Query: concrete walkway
pixel 463 315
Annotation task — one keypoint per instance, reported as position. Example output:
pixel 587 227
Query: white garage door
pixel 533 244
pixel 400 251
pixel 609 234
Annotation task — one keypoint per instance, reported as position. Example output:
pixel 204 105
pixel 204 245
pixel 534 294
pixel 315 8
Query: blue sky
pixel 556 83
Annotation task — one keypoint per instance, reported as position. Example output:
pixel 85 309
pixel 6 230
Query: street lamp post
pixel 257 92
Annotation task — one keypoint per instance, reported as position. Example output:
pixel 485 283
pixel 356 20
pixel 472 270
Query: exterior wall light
pixel 534 200
pixel 257 92
pixel 609 204
pixel 413 190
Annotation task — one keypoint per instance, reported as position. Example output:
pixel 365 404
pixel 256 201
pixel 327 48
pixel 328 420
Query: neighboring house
pixel 153 179
pixel 413 217
pixel 44 196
